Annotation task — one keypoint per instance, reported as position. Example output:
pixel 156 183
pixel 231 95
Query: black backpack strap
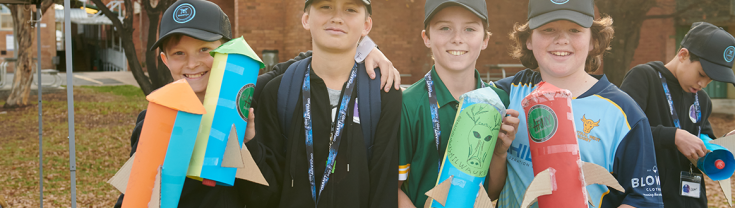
pixel 288 92
pixel 368 94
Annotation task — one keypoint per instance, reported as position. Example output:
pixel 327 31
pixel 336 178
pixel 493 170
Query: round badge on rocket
pixel 544 123
pixel 184 13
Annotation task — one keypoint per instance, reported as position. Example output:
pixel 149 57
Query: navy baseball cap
pixel 366 2
pixel 715 48
pixel 541 12
pixel 475 6
pixel 199 19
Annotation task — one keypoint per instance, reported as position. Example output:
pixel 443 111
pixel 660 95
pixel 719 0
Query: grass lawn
pixel 104 120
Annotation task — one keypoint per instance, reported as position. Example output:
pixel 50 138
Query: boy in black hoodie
pixel 322 152
pixel 670 94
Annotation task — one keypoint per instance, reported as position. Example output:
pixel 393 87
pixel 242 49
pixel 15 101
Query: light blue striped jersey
pixel 612 132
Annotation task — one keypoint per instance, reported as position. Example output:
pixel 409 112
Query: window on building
pixel 6 20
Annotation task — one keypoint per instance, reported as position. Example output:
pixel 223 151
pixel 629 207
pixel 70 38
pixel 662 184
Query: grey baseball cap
pixel 475 6
pixel 199 19
pixel 715 48
pixel 366 2
pixel 541 12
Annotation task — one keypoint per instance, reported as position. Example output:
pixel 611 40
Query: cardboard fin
pixel 250 170
pixel 541 185
pixel 427 204
pixel 589 200
pixel 232 157
pixel 483 200
pixel 120 179
pixel 595 174
pixel 726 189
pixel 439 192
pixel 156 194
pixel 726 142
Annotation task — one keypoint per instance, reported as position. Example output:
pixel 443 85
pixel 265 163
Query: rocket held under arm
pixel 561 176
pixel 469 151
pixel 173 114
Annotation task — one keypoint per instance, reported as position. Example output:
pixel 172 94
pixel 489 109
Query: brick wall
pixel 397 25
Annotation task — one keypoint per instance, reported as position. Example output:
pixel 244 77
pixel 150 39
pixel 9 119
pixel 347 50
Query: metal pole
pixel 40 117
pixel 70 101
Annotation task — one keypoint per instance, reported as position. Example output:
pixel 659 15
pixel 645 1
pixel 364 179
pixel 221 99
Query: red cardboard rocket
pixel 561 176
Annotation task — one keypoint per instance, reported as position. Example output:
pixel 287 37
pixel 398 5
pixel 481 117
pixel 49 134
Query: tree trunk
pixel 628 17
pixel 159 73
pixel 24 70
pixel 125 31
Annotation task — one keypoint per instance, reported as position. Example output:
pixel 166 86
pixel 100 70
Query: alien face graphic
pixel 473 138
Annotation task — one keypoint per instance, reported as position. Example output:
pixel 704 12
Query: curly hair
pixel 602 34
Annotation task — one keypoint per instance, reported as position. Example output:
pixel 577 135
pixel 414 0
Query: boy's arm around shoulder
pixel 384 162
pixel 639 83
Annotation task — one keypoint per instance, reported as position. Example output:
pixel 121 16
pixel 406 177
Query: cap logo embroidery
pixel 559 1
pixel 184 13
pixel 729 53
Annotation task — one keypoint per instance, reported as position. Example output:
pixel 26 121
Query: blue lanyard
pixel 673 113
pixel 335 135
pixel 434 105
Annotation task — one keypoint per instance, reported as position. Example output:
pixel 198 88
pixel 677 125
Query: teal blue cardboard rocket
pixel 469 151
pixel 229 93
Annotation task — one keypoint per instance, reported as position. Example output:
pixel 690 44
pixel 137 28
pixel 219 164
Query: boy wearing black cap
pixel 706 54
pixel 560 44
pixel 456 32
pixel 189 30
pixel 321 145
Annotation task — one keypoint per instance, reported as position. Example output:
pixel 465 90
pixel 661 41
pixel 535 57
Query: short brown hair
pixel 602 34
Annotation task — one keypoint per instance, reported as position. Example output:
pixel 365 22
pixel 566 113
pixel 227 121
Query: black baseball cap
pixel 541 12
pixel 199 19
pixel 475 6
pixel 366 2
pixel 715 48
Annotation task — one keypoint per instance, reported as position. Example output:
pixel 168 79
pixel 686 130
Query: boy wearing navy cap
pixel 678 110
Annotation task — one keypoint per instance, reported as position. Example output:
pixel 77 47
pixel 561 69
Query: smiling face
pixel 336 25
pixel 189 59
pixel 456 37
pixel 690 74
pixel 560 47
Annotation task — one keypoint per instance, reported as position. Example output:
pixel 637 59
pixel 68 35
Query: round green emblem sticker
pixel 542 123
pixel 244 98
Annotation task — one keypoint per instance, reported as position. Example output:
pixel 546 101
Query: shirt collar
pixel 442 93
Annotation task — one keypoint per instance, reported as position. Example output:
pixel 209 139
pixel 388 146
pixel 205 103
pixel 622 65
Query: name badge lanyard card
pixel 334 137
pixel 434 105
pixel 689 181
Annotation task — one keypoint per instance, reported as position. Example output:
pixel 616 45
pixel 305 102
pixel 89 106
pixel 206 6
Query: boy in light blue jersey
pixel 559 44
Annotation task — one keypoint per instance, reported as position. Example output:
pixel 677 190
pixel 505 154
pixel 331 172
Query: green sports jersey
pixel 418 156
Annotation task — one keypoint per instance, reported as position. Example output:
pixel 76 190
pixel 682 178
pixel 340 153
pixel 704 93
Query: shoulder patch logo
pixel 559 1
pixel 729 53
pixel 589 124
pixel 184 13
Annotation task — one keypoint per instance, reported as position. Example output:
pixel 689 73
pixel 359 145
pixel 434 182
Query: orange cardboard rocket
pixel 174 113
pixel 561 176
